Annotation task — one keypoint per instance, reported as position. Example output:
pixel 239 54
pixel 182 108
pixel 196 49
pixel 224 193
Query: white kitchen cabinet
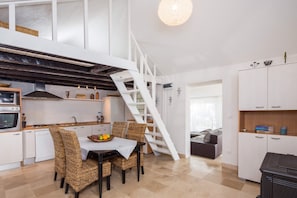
pixel 251 152
pixel 101 128
pixel 282 144
pixel 71 128
pixel 114 109
pixel 44 145
pixel 252 148
pixel 253 89
pixel 84 131
pixel 268 88
pixel 280 91
pixel 11 147
pixel 81 131
pixel 29 143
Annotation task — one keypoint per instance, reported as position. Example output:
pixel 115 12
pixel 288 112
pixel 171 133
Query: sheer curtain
pixel 206 113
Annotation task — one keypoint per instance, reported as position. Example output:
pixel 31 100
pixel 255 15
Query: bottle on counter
pixel 97 95
pixel 99 117
pixel 24 120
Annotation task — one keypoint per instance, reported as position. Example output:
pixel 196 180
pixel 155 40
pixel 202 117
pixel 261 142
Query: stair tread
pixel 136 103
pixel 158 142
pixel 131 91
pixel 154 134
pixel 162 150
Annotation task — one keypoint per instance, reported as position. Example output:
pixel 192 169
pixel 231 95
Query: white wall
pixel 60 111
pixel 178 111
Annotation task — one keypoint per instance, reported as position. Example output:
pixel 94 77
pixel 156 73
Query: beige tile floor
pixel 187 178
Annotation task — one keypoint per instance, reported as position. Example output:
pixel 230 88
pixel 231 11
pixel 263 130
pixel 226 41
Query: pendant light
pixel 175 12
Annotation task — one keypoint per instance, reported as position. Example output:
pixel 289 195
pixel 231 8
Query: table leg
pixel 138 162
pixel 100 162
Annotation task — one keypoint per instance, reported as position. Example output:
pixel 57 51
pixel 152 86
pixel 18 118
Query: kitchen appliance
pixel 9 97
pixel 40 93
pixel 10 118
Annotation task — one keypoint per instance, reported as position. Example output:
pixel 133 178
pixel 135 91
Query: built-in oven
pixel 8 97
pixel 10 118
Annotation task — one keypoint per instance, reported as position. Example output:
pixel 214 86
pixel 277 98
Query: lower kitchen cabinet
pixel 11 147
pixel 252 148
pixel 251 152
pixel 101 128
pixel 282 144
pixel 29 143
pixel 44 145
pixel 81 131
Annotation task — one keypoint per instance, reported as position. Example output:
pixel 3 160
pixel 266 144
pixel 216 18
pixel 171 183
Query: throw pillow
pixel 207 137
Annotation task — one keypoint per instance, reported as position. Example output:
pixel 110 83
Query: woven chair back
pixel 119 129
pixel 136 131
pixel 60 158
pixel 72 151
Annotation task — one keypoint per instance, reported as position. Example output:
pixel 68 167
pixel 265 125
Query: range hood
pixel 40 93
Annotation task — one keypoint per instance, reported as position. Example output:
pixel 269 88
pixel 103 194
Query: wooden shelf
pixel 81 99
pixel 73 99
pixel 249 119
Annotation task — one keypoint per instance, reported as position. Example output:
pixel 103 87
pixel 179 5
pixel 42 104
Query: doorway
pixel 205 119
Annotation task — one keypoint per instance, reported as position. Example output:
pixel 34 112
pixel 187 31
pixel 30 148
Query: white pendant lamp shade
pixel 175 12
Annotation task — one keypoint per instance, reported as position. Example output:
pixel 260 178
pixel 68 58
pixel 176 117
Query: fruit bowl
pixel 100 138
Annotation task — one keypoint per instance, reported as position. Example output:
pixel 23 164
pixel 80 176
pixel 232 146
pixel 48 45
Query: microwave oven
pixel 10 118
pixel 9 98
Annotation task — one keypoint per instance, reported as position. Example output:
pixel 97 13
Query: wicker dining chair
pixel 135 132
pixel 80 174
pixel 119 129
pixel 60 160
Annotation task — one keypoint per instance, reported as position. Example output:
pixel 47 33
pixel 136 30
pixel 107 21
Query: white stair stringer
pixel 165 145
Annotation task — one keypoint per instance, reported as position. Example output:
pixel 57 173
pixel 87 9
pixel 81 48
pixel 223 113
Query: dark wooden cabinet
pixel 279 176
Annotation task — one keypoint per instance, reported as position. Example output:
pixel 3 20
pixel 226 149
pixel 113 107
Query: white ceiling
pixel 218 33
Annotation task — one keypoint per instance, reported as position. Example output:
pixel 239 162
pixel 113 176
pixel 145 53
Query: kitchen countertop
pixel 40 126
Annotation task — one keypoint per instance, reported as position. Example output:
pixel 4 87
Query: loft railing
pixel 146 68
pixel 108 23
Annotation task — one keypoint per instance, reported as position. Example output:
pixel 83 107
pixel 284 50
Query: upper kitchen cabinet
pixel 268 88
pixel 281 82
pixel 253 89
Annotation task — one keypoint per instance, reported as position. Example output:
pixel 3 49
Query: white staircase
pixel 156 134
pixel 140 99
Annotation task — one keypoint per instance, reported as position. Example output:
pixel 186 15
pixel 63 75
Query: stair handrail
pixel 142 55
pixel 143 65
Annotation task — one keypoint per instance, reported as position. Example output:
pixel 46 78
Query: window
pixel 206 113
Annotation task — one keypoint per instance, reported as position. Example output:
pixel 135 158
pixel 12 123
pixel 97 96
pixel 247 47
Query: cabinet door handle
pixel 275 107
pixel 260 137
pixel 16 134
pixel 273 138
pixel 259 107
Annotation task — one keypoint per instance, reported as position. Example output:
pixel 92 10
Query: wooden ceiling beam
pixel 54 74
pixel 41 77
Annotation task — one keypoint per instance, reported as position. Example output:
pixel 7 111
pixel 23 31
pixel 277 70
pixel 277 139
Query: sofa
pixel 207 143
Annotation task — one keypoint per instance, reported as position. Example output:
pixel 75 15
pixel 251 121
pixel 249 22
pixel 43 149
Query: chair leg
pixel 142 170
pixel 55 177
pixel 108 182
pixel 62 182
pixel 67 188
pixel 76 194
pixel 123 176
